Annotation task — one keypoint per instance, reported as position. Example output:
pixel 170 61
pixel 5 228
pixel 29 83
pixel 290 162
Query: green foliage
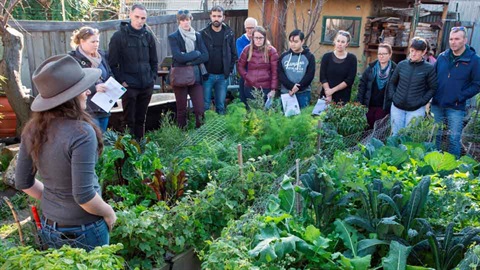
pixel 5 157
pixel 19 202
pixel 471 260
pixel 92 10
pixel 397 257
pixel 64 258
pixel 321 194
pixel 420 129
pixel 348 119
pixel 448 249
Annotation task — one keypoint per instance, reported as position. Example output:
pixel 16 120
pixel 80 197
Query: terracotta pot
pixel 8 124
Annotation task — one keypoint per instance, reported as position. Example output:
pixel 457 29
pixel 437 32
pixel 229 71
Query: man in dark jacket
pixel 458 72
pixel 133 59
pixel 220 42
pixel 296 69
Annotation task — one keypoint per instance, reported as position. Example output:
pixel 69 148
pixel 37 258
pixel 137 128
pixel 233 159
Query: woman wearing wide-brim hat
pixel 61 144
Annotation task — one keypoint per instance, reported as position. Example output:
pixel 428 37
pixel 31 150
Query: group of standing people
pixel 404 90
pixel 61 142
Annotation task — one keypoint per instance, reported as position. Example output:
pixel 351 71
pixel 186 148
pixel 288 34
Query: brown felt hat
pixel 59 79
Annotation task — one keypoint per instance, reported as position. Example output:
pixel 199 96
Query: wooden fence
pixel 44 39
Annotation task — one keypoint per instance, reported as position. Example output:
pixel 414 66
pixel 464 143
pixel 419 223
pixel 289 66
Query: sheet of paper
pixel 268 103
pixel 109 98
pixel 319 107
pixel 290 105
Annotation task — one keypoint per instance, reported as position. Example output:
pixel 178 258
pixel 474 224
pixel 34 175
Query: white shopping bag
pixel 290 105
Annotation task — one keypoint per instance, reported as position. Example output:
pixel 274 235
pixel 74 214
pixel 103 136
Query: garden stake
pixel 297 196
pixel 319 137
pixel 16 219
pixel 240 158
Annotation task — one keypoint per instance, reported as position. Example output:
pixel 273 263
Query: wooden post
pixel 415 16
pixel 442 31
pixel 240 158
pixel 319 137
pixel 15 217
pixel 297 196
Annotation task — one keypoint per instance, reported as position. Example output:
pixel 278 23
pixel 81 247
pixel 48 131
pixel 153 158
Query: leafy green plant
pixel 448 249
pixel 168 187
pixel 5 157
pixel 64 258
pixel 421 129
pixel 321 194
pixel 348 119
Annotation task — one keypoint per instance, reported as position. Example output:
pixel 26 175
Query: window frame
pixel 353 42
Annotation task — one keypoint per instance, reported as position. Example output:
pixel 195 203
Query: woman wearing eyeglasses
pixel 373 85
pixel 258 66
pixel 85 42
pixel 411 87
pixel 338 70
pixel 188 49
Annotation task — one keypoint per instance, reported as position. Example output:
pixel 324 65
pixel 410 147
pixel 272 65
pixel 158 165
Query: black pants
pixel 196 96
pixel 135 105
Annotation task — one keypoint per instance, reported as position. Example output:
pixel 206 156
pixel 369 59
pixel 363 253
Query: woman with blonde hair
pixel 85 42
pixel 338 70
pixel 258 66
pixel 61 144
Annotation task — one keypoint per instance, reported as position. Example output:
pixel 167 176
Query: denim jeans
pixel 101 122
pixel 135 105
pixel 217 82
pixel 303 99
pixel 454 119
pixel 86 236
pixel 400 118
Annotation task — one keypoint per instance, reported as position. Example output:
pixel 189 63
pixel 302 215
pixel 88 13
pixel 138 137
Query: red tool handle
pixel 36 217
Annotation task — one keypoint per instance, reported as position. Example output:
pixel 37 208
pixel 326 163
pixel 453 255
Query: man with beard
pixel 220 42
pixel 133 60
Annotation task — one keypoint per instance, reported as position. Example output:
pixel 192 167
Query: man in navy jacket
pixel 458 72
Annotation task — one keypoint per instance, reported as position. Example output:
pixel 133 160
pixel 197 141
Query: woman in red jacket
pixel 258 66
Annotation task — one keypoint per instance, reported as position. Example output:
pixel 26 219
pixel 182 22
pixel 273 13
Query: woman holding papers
pixel 85 42
pixel 258 66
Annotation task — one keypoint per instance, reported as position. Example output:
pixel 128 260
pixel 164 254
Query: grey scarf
pixel 95 60
pixel 189 38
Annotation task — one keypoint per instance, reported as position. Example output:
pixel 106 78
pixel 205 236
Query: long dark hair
pixel 35 133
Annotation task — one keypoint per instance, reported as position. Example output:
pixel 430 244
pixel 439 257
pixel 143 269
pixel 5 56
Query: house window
pixel 331 25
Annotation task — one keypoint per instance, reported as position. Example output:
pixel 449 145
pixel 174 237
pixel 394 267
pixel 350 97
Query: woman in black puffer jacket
pixel 411 87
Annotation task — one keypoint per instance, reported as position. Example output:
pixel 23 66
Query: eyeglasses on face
pixel 259 38
pixel 183 11
pixel 459 28
pixel 250 28
pixel 382 54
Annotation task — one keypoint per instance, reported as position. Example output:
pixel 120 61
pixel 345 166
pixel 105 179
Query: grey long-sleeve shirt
pixel 67 168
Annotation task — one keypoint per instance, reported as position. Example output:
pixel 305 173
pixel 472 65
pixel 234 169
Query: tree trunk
pixel 10 67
